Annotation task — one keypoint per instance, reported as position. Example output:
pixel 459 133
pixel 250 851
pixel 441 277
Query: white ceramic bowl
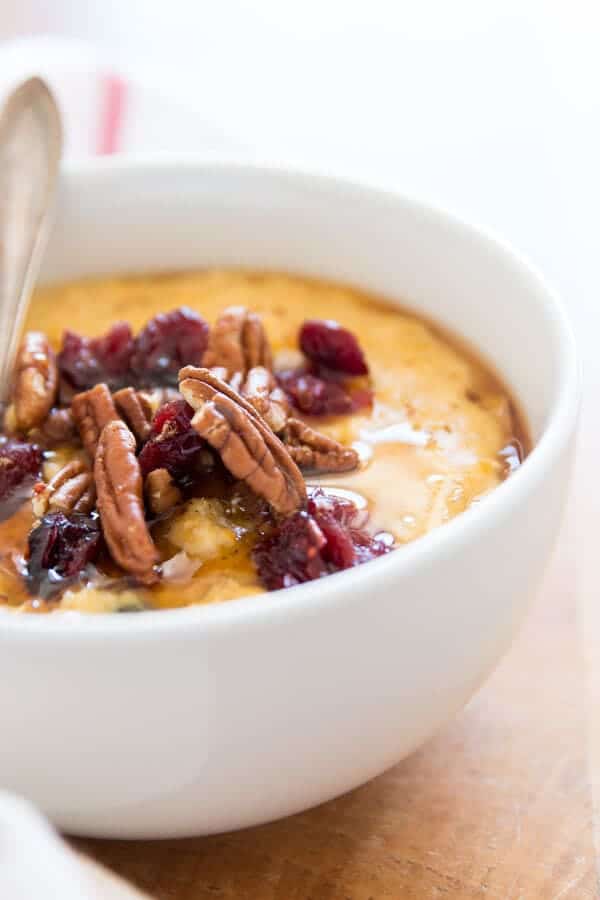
pixel 211 718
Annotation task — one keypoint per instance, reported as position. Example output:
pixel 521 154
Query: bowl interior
pixel 120 216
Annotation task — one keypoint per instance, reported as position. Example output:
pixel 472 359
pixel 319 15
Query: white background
pixel 489 108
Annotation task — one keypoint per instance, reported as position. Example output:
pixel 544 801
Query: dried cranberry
pixel 175 446
pixel 60 547
pixel 328 344
pixel 328 537
pixel 168 342
pixel 292 553
pixel 114 350
pixel 342 509
pixel 20 464
pixel 329 511
pixel 178 454
pixel 338 549
pixel 175 415
pixel 367 547
pixel 84 362
pixel 314 396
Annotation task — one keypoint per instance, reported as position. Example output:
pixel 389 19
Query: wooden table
pixel 498 805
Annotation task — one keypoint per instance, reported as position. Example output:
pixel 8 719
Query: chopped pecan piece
pixel 262 391
pixel 120 502
pixel 316 451
pixel 246 444
pixel 72 489
pixel 35 383
pixel 135 410
pixel 257 349
pixel 238 342
pixel 92 410
pixel 161 492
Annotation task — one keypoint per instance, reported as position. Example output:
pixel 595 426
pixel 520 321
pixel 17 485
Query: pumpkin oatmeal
pixel 197 437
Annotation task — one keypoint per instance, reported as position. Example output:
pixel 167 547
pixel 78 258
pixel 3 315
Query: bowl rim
pixel 332 590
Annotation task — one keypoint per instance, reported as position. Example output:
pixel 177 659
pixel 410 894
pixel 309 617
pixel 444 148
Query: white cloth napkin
pixel 106 110
pixel 35 864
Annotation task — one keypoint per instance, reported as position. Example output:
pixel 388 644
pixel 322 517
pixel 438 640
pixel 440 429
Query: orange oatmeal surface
pixel 440 434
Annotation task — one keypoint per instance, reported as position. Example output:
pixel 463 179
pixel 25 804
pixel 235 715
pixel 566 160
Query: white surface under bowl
pixel 211 718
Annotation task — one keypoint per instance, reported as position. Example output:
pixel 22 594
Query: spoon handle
pixel 30 150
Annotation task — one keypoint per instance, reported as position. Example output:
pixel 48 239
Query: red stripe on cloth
pixel 112 107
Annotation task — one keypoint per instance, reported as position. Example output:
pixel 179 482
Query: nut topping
pixel 135 410
pixel 238 342
pixel 201 384
pixel 257 350
pixel 243 449
pixel 120 503
pixel 36 380
pixel 161 492
pixel 72 489
pixel 312 450
pixel 246 444
pixel 268 399
pixel 92 410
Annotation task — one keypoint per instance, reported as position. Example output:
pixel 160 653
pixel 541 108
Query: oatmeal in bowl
pixel 226 439
pixel 248 703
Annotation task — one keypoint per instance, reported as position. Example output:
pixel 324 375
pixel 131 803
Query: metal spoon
pixel 30 151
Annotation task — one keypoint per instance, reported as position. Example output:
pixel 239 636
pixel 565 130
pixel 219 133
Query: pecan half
pixel 316 451
pixel 120 502
pixel 92 410
pixel 72 489
pixel 238 342
pixel 135 410
pixel 35 381
pixel 262 391
pixel 246 444
pixel 162 494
